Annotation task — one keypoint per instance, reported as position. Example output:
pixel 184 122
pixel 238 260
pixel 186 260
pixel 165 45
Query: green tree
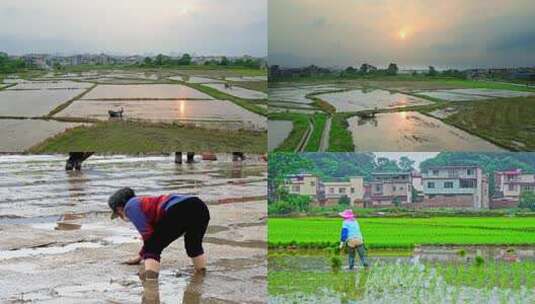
pixel 432 71
pixel 185 59
pixel 224 61
pixel 527 200
pixel 406 164
pixel 344 200
pixel 147 61
pixel 392 69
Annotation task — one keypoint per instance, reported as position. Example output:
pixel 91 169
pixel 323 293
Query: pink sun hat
pixel 347 214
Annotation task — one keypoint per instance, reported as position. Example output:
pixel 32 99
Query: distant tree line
pixel 186 59
pixel 8 65
pixel 393 70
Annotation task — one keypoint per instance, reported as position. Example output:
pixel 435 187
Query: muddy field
pixel 404 131
pixel 61 247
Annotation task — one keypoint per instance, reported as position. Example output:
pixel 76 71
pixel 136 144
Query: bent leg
pixel 351 257
pixel 362 255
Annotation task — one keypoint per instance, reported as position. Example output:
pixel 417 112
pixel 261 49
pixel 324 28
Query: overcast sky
pixel 412 33
pixel 209 27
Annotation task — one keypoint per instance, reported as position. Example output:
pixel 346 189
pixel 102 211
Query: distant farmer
pixel 352 237
pixel 160 220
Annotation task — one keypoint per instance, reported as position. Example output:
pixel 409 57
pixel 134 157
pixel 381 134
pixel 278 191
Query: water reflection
pixel 412 131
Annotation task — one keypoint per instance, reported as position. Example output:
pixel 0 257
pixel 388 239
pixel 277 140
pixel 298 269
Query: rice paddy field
pixel 466 114
pixel 412 260
pixel 186 101
pixel 405 232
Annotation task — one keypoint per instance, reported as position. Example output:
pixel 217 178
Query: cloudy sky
pixel 412 33
pixel 214 27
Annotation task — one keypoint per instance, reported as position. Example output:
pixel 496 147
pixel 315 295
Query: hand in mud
pixel 133 261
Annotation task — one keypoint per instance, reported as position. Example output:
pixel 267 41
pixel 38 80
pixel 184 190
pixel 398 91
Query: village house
pixel 455 187
pixel 387 188
pixel 303 184
pixel 332 192
pixel 509 185
pixel 327 193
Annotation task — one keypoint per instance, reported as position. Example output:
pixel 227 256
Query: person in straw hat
pixel 352 237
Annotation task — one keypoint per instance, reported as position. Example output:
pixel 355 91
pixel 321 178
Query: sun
pixel 402 34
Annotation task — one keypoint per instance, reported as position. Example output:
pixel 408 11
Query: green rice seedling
pixel 336 263
pixel 461 252
pixel 479 260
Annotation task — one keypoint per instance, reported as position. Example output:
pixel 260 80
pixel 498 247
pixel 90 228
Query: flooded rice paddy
pixel 297 94
pixel 238 91
pixel 33 103
pixel 50 85
pixel 278 132
pixel 412 131
pixel 359 100
pixel 197 79
pixel 426 275
pixel 19 135
pixel 60 246
pixel 148 91
pixel 247 78
pixel 168 111
pixel 474 94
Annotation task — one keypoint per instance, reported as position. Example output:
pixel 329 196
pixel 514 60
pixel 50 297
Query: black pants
pixel 189 218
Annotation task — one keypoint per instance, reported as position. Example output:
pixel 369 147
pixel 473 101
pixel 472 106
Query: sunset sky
pixel 412 33
pixel 210 27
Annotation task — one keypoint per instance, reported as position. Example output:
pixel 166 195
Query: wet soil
pixel 60 246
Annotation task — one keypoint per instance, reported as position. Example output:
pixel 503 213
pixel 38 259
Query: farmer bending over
pixel 160 220
pixel 352 237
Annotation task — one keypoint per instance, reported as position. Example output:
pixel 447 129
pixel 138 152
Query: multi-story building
pixel 353 189
pixel 510 184
pixel 303 184
pixel 455 187
pixel 386 188
pixel 326 193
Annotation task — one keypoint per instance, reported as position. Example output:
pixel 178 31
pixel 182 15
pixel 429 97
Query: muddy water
pixel 33 103
pixel 278 132
pixel 238 91
pixel 145 91
pixel 19 135
pixel 43 264
pixel 50 85
pixel 297 93
pixel 359 100
pixel 167 111
pixel 429 274
pixel 412 131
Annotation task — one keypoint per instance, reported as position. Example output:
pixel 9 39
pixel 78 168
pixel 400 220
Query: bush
pixel 280 207
pixel 527 200
pixel 344 200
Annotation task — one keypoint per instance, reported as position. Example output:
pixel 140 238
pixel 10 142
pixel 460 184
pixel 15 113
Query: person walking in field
pixel 160 220
pixel 352 237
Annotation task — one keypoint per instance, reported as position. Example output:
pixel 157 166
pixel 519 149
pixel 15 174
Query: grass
pixel 508 122
pixel 314 142
pixel 341 139
pixel 404 232
pixel 248 105
pixel 134 137
pixel 300 126
pixel 251 85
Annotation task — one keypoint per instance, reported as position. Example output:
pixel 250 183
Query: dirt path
pixel 324 143
pixel 304 141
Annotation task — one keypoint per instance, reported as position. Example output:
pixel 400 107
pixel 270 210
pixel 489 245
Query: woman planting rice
pixel 352 237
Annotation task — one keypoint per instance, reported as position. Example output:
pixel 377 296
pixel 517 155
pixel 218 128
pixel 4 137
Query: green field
pixel 134 137
pixel 404 232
